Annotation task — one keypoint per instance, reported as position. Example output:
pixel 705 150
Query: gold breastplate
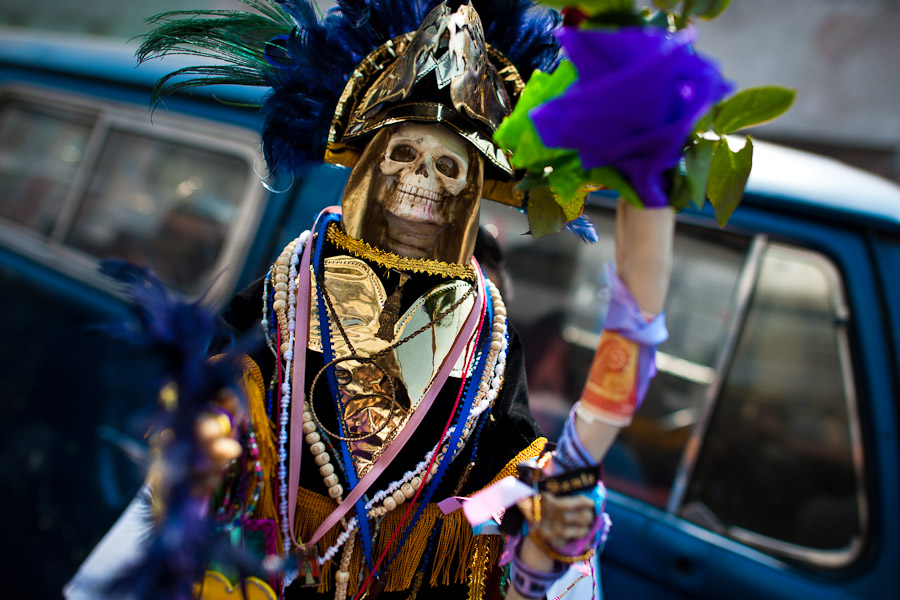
pixel 358 297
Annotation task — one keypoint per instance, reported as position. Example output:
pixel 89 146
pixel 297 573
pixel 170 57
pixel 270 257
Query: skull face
pixel 425 169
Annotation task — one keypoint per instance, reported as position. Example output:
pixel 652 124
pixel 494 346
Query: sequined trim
pixel 389 260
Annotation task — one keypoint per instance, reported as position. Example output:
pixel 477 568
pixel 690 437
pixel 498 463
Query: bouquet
pixel 635 109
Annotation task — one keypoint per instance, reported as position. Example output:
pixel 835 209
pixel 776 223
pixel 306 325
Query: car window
pixel 96 180
pixel 39 155
pixel 778 466
pixel 752 412
pixel 161 203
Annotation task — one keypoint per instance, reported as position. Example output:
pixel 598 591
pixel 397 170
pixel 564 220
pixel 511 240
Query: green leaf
pixel 612 179
pixel 665 4
pixel 713 9
pixel 680 197
pixel 698 160
pixel 517 133
pixel 532 181
pixel 544 214
pixel 705 122
pixel 728 175
pixel 596 7
pixel 569 183
pixel 751 107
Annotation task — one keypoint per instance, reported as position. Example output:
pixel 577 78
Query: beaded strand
pixel 284 276
pixel 285 270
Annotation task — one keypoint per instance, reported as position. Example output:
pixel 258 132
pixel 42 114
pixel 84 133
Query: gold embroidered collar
pixel 389 260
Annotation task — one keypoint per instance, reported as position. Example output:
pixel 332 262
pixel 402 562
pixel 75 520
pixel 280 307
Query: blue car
pixel 763 464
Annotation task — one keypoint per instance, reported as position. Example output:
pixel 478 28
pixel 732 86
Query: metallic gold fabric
pixel 358 297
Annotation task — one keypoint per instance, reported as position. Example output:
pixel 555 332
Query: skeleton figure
pixel 416 191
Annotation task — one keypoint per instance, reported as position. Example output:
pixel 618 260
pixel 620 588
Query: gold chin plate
pixel 358 297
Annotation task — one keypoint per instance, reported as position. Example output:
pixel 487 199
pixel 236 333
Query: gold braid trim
pixel 389 260
pixel 264 429
pixel 455 555
pixel 478 566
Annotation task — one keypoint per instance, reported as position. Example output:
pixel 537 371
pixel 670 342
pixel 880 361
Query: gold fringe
pixel 456 544
pixel 263 428
pixel 478 566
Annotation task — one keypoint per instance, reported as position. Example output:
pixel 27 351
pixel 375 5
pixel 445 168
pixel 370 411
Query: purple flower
pixel 639 93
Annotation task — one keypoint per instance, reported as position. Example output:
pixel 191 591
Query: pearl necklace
pixel 285 276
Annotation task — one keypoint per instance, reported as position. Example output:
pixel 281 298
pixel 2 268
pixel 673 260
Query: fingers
pixel 214 431
pixel 563 518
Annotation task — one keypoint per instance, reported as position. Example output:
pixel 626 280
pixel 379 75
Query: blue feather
pixel 584 229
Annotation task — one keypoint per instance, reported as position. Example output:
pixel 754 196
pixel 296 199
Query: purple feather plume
pixel 182 542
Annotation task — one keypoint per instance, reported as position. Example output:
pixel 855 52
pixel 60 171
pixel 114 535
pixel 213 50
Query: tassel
pixel 254 391
pixel 456 544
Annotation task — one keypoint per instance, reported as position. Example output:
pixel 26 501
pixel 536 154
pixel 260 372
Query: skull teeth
pixel 418 192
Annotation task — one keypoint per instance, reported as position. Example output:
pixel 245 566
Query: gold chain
pixel 389 260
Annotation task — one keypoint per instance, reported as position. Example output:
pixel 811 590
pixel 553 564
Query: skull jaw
pixel 411 238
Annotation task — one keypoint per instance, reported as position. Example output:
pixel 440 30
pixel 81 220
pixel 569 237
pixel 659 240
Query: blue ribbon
pixel 328 356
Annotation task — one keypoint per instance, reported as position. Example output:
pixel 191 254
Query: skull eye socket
pixel 447 166
pixel 403 153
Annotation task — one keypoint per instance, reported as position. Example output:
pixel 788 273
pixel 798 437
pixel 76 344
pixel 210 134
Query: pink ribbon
pixel 298 378
pixel 491 502
pixel 299 388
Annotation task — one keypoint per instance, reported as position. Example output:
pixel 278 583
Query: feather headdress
pixel 307 59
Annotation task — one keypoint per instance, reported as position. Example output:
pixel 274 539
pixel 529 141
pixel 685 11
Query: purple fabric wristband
pixel 570 453
pixel 625 318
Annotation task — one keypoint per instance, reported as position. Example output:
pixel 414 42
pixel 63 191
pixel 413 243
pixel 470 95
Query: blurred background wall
pixel 840 55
